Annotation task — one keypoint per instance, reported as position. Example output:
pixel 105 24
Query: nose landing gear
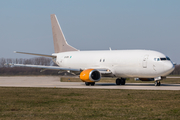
pixel 157 83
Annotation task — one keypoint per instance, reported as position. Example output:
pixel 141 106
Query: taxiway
pixel 54 82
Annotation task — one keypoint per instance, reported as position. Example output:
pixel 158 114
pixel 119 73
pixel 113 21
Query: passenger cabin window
pixel 102 60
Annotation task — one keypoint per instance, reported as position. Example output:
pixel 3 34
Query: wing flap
pixel 105 72
pixel 102 70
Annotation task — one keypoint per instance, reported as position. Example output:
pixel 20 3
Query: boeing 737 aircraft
pixel 145 65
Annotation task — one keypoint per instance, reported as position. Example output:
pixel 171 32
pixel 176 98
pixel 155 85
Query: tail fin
pixel 60 44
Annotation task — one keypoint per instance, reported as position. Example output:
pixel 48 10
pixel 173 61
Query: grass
pixel 53 103
pixel 129 80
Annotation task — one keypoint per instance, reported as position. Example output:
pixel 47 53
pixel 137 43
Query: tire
pixel 118 81
pixel 87 83
pixel 123 81
pixel 158 83
pixel 92 83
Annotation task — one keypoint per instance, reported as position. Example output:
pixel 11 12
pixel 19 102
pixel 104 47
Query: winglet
pixel 60 44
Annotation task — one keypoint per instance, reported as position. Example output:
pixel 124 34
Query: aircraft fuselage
pixel 122 63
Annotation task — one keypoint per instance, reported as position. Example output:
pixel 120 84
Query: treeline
pixel 8 70
pixel 176 70
pixel 34 61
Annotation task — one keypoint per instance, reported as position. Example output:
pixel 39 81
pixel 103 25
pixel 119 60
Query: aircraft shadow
pixel 135 84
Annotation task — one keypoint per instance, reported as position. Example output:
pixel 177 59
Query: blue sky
pixel 90 25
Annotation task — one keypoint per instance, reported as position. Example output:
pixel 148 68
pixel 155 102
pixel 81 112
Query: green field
pixel 54 103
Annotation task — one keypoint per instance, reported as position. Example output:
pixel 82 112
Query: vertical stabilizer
pixel 60 44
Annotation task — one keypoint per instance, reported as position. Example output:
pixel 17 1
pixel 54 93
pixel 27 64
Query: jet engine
pixel 90 75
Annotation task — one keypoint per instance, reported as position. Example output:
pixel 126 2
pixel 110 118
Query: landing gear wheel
pixel 92 83
pixel 123 81
pixel 157 83
pixel 118 81
pixel 87 83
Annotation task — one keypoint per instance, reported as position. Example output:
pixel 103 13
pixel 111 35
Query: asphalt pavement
pixel 54 82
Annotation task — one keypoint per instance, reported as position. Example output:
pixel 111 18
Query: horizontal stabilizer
pixel 52 56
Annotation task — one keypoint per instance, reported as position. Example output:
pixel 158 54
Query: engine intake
pixel 90 75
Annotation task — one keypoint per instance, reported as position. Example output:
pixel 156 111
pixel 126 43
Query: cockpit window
pixel 168 58
pixel 162 59
pixel 156 59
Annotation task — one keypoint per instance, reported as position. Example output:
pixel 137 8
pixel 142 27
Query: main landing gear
pixel 157 83
pixel 90 83
pixel 121 81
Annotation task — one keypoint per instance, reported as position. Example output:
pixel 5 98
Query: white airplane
pixel 145 65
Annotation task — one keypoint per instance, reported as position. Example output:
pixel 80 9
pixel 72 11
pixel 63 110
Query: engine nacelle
pixel 90 75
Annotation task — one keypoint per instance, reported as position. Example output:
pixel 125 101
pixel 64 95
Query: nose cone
pixel 168 68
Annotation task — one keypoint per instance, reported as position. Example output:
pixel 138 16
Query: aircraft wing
pixel 103 71
pixel 46 67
